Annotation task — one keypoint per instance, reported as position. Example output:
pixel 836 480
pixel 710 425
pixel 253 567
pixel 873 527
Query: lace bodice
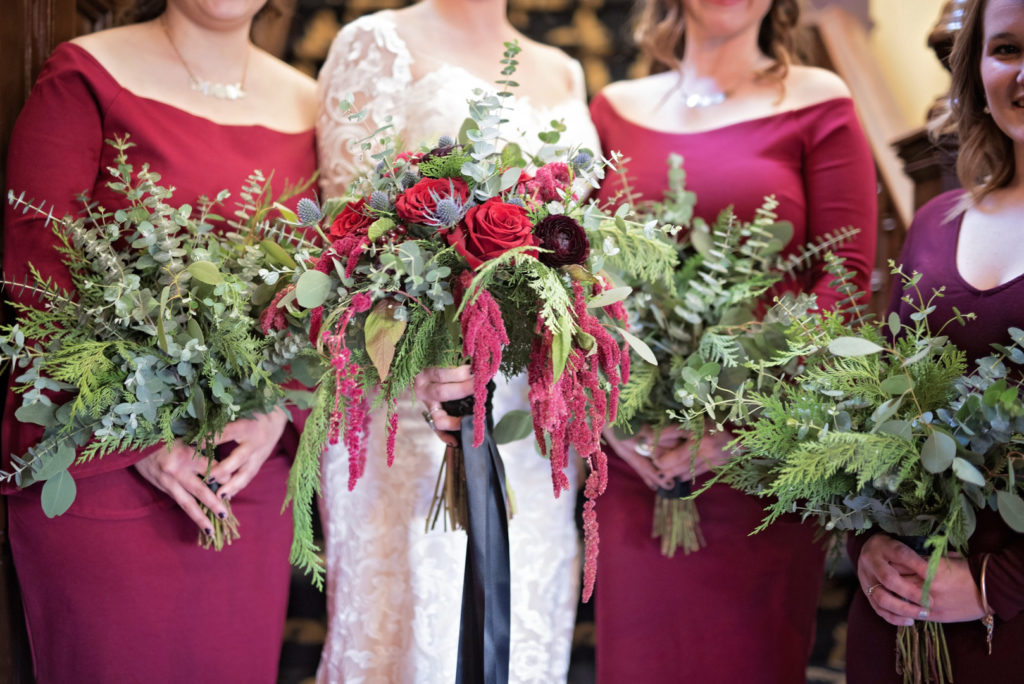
pixel 394 591
pixel 371 65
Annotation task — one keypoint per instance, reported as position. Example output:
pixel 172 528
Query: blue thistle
pixel 408 180
pixel 445 141
pixel 581 162
pixel 382 167
pixel 308 211
pixel 516 201
pixel 447 212
pixel 380 201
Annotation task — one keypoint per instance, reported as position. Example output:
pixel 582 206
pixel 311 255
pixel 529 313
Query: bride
pixel 394 592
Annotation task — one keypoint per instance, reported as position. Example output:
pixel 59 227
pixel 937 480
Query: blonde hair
pixel 985 160
pixel 661 35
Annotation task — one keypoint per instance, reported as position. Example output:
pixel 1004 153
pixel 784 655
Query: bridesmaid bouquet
pixel 886 428
pixel 725 270
pixel 157 341
pixel 457 254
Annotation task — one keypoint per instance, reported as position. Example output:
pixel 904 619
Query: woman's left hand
pixel 256 439
pixel 681 463
pixel 954 597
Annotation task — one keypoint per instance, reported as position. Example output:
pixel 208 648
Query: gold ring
pixel 872 588
pixel 430 419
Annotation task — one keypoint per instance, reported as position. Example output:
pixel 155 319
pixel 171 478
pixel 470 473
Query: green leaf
pixel 702 241
pixel 513 426
pixel 38 413
pixel 509 178
pixel 58 494
pixel 938 452
pixel 205 272
pixel 286 213
pixel 312 288
pixel 59 461
pixel 886 410
pixel 639 346
pixel 896 384
pixel 161 335
pixel 967 472
pixel 611 296
pixel 195 331
pixel 853 346
pixel 198 403
pixel 379 228
pixel 561 345
pixel 467 126
pixel 382 332
pixel 899 428
pixel 895 324
pixel 1011 509
pixel 277 255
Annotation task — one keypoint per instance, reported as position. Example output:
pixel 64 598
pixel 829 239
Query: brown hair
pixel 985 161
pixel 661 36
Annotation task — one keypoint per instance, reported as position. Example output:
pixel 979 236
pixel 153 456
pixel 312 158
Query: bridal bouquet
pixel 457 254
pixel 725 269
pixel 155 342
pixel 887 428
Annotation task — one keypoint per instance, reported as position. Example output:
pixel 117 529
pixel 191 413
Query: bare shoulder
pixel 806 86
pixel 115 46
pixel 630 95
pixel 551 59
pixel 288 83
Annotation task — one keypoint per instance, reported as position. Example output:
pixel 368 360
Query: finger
pixel 199 490
pixel 437 375
pixel 447 423
pixel 240 479
pixel 644 469
pixel 222 471
pixel 449 391
pixel 187 503
pixel 885 601
pixel 447 437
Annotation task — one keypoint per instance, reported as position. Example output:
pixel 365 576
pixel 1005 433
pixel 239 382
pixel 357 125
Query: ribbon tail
pixel 486 603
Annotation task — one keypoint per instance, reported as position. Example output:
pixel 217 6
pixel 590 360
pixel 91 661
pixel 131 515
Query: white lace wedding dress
pixel 394 592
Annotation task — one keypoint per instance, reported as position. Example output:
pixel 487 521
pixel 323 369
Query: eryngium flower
pixel 308 211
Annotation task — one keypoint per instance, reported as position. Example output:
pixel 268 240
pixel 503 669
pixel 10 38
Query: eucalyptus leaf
pixel 896 384
pixel 853 346
pixel 312 289
pixel 58 494
pixel 639 346
pixel 608 297
pixel 277 255
pixel 938 452
pixel 967 472
pixel 513 426
pixel 37 413
pixel 1011 510
pixel 206 272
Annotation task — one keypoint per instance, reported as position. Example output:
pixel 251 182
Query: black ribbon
pixel 679 490
pixel 486 601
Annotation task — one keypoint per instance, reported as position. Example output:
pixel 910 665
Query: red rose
pixel 491 229
pixel 356 217
pixel 418 203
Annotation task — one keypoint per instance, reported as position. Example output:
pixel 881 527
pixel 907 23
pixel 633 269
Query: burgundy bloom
pixel 549 180
pixel 491 229
pixel 565 238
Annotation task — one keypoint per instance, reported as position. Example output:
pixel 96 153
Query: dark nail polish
pixel 222 515
pixel 209 531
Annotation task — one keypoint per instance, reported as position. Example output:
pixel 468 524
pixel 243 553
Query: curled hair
pixel 661 36
pixel 985 161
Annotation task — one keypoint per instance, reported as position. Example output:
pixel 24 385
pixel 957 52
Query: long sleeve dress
pixel 930 249
pixel 742 608
pixel 394 591
pixel 117 589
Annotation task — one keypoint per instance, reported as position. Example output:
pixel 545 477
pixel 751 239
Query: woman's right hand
pixel 639 452
pixel 434 385
pixel 179 472
pixel 888 571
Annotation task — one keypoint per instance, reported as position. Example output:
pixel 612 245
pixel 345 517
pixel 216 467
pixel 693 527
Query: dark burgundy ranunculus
pixel 418 204
pixel 491 229
pixel 355 218
pixel 565 238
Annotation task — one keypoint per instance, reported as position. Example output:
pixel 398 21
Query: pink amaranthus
pixel 483 338
pixel 574 410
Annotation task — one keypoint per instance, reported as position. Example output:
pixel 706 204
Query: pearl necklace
pixel 223 91
pixel 699 100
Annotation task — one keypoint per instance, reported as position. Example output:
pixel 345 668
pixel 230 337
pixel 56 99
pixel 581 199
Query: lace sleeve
pixel 369 64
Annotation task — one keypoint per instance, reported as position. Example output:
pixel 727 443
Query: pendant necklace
pixel 223 91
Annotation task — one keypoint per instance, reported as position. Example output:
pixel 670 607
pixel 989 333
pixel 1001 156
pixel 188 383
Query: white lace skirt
pixel 394 592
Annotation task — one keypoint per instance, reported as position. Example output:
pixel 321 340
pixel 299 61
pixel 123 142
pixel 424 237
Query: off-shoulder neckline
pixel 78 49
pixel 718 129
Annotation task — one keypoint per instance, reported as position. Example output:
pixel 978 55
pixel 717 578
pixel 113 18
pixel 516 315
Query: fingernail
pixel 923 614
pixel 225 496
pixel 222 515
pixel 908 623
pixel 209 531
pixel 211 480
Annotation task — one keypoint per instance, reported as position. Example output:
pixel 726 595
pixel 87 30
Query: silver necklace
pixel 700 100
pixel 223 91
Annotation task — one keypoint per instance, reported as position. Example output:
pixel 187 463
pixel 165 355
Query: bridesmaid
pixel 117 589
pixel 969 243
pixel 748 123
